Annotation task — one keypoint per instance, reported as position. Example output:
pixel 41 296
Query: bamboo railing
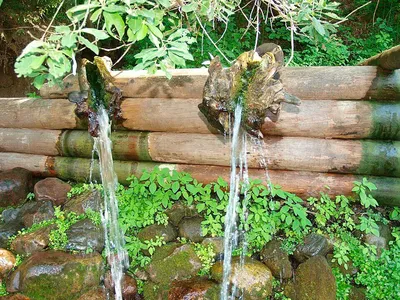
pixel 347 127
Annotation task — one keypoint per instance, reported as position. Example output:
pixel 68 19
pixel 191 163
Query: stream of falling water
pixel 231 234
pixel 114 238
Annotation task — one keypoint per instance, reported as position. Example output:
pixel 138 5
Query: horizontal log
pixel 289 153
pixel 389 59
pixel 38 113
pixel 319 119
pixel 307 83
pixel 304 184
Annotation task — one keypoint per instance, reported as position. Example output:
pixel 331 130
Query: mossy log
pixel 307 83
pixel 304 184
pixel 314 118
pixel 389 59
pixel 364 157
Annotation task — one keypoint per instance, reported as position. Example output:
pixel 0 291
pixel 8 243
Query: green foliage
pixel 80 188
pixel 30 196
pixel 3 289
pixel 362 189
pixel 206 255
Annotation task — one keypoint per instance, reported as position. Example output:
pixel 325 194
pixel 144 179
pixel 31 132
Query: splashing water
pixel 231 235
pixel 114 238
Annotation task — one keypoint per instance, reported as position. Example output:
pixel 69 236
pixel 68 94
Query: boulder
pixel 81 203
pixel 314 244
pixel 276 260
pixel 168 232
pixel 7 262
pixel 52 189
pixel 56 275
pixel 32 242
pixel 97 293
pixel 173 262
pixel 178 211
pixel 196 288
pixel 253 278
pixel 314 280
pixel 15 185
pixel 128 286
pixel 190 228
pixel 36 211
pixel 7 230
pixel 218 245
pixel 15 297
pixel 84 235
pixel 381 242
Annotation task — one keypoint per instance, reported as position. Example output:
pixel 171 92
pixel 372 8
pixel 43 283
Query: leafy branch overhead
pixel 168 26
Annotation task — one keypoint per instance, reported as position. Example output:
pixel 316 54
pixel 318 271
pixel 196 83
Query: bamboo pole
pixel 389 59
pixel 307 83
pixel 304 184
pixel 289 153
pixel 314 118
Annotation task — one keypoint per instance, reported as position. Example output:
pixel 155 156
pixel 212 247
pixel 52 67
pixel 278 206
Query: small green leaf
pixel 98 34
pixel 318 26
pixel 152 188
pixel 155 31
pixel 89 44
pixel 142 32
pixel 189 7
pixel 114 20
pixel 69 40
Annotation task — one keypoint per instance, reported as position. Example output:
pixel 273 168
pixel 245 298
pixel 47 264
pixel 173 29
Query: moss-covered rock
pixel 32 242
pixel 276 260
pixel 190 228
pixel 56 275
pixel 314 244
pixel 81 203
pixel 176 262
pixel 196 288
pixel 315 280
pixel 167 232
pixel 254 278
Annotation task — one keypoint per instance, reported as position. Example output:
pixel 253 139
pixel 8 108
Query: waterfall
pixel 114 238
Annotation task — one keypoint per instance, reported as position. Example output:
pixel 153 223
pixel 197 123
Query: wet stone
pixel 81 203
pixel 190 228
pixel 94 294
pixel 218 245
pixel 32 242
pixel 314 244
pixel 254 278
pixel 128 286
pixel 7 230
pixel 56 275
pixel 36 212
pixel 84 235
pixel 276 260
pixel 15 185
pixel 315 280
pixel 178 211
pixel 196 288
pixel 52 189
pixel 7 262
pixel 167 232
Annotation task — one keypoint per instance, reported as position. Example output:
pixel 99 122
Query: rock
pixel 10 214
pixel 254 278
pixel 178 211
pixel 192 289
pixel 358 293
pixel 128 286
pixel 153 291
pixel 56 275
pixel 7 230
pixel 85 235
pixel 7 262
pixel 15 185
pixel 52 189
pixel 314 280
pixel 314 244
pixel 190 228
pixel 382 241
pixel 173 262
pixel 15 297
pixel 351 269
pixel 168 232
pixel 276 260
pixel 81 203
pixel 32 242
pixel 218 245
pixel 97 293
pixel 36 212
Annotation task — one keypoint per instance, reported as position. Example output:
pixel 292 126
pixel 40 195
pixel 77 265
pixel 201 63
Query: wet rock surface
pixel 178 211
pixel 56 275
pixel 35 212
pixel 173 262
pixel 128 286
pixel 32 242
pixel 315 280
pixel 276 260
pixel 52 189
pixel 94 294
pixel 314 244
pixel 254 278
pixel 190 228
pixel 7 230
pixel 84 235
pixel 168 232
pixel 81 203
pixel 217 243
pixel 7 262
pixel 192 289
pixel 15 185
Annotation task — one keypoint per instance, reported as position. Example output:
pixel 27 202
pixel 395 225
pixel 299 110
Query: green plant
pixel 30 196
pixel 206 255
pixel 363 189
pixel 80 188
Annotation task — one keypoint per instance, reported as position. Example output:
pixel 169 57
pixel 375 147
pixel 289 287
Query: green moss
pixel 385 121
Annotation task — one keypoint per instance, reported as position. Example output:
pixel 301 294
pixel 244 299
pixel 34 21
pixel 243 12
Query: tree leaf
pixel 69 40
pixel 114 20
pixel 89 44
pixel 155 31
pixel 142 32
pixel 318 26
pixel 189 7
pixel 98 34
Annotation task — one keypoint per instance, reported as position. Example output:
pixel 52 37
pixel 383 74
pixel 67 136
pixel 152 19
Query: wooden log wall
pixel 347 127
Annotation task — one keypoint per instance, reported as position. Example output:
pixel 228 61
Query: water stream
pixel 114 238
pixel 231 234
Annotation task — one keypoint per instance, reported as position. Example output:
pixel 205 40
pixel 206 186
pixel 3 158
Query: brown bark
pixel 389 59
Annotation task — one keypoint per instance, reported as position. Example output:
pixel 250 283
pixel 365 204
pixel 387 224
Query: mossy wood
pixel 304 184
pixel 389 59
pixel 289 153
pixel 314 118
pixel 307 83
